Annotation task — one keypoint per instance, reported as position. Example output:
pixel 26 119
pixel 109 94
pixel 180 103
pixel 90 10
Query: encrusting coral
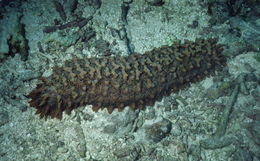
pixel 136 80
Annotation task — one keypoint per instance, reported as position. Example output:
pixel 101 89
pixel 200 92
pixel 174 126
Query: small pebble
pixel 159 130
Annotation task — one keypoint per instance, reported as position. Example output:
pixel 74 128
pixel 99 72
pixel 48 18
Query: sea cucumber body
pixel 136 80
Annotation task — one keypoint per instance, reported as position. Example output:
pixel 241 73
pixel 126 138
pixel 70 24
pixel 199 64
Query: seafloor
pixel 217 119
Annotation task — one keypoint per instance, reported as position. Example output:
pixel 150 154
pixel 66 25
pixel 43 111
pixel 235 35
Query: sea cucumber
pixel 136 80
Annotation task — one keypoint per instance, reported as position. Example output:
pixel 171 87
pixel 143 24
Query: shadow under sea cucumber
pixel 136 80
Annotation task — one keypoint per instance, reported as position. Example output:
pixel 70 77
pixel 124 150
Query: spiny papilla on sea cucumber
pixel 136 80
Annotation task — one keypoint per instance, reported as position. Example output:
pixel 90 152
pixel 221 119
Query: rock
pixel 95 3
pixel 250 31
pixel 218 90
pixel 253 114
pixel 60 39
pixel 155 2
pixel 73 5
pixel 13 39
pixel 17 42
pixel 170 104
pixel 216 142
pixel 102 47
pixel 127 153
pixel 110 129
pixel 255 149
pixel 254 130
pixel 150 114
pixel 180 148
pixel 81 148
pixel 218 11
pixel 194 24
pixel 4 48
pixel 87 34
pixel 88 117
pixel 256 94
pixel 77 139
pixel 127 1
pixel 28 75
pixel 176 129
pixel 257 22
pixel 60 9
pixel 60 144
pixel 22 107
pixel 4 118
pixel 195 151
pixel 242 154
pixel 4 158
pixel 159 130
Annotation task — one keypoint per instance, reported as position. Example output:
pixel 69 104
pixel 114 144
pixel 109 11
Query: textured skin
pixel 135 81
